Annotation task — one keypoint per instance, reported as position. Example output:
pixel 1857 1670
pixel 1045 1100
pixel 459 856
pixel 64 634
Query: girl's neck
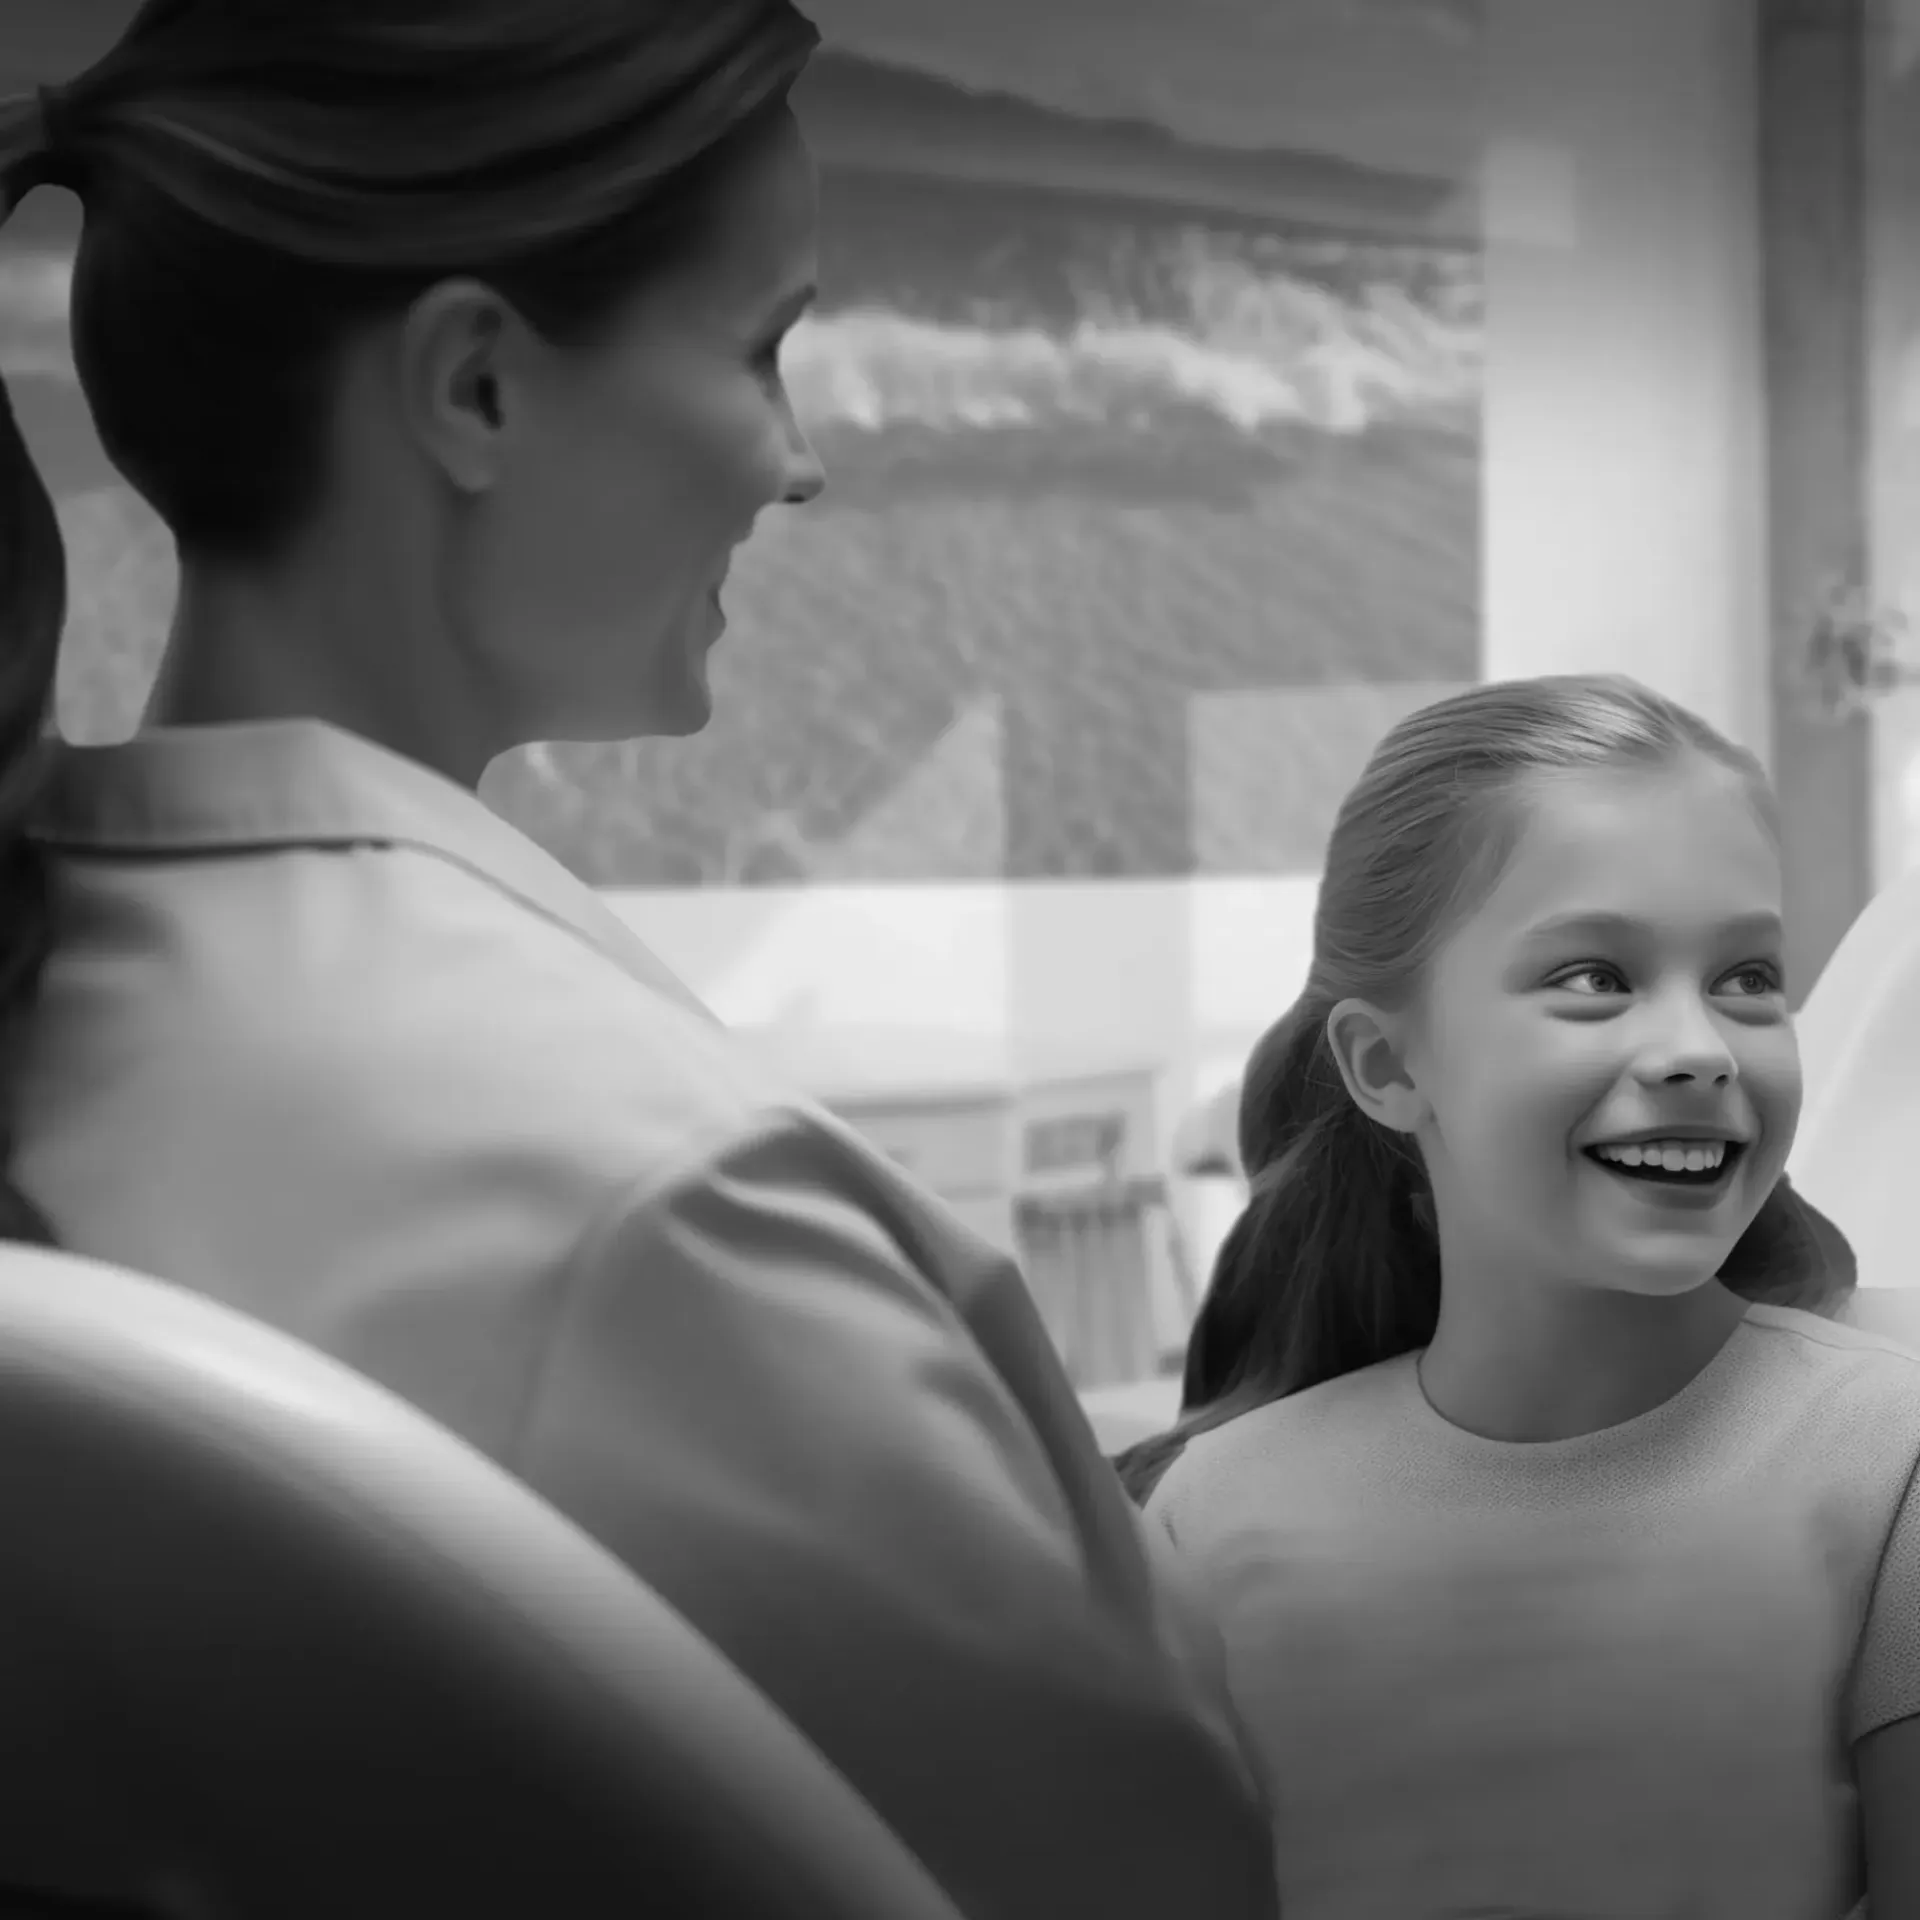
pixel 1553 1362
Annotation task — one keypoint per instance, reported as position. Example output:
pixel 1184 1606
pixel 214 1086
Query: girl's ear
pixel 1369 1047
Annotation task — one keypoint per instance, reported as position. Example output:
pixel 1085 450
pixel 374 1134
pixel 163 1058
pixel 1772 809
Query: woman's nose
pixel 806 478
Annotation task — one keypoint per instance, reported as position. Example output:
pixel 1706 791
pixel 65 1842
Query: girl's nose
pixel 1686 1045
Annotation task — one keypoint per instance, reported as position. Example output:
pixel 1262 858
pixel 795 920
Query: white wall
pixel 1625 498
pixel 1624 528
pixel 1891 137
pixel 998 982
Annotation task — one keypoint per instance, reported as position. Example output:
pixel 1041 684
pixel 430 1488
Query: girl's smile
pixel 1603 1051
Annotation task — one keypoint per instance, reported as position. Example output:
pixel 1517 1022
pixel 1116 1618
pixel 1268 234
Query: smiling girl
pixel 1568 1563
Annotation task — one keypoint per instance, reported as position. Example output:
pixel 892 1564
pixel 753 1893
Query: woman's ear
pixel 455 380
pixel 1368 1045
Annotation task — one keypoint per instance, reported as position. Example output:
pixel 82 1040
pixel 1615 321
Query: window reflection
pixel 1153 431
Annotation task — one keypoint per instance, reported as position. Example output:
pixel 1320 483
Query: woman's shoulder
pixel 371 1013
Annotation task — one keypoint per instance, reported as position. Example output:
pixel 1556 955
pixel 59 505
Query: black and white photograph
pixel 959 962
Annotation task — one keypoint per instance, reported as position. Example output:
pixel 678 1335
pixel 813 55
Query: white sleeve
pixel 854 1464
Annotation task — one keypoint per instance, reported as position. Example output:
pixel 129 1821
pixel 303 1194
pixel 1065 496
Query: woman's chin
pixel 668 714
pixel 682 709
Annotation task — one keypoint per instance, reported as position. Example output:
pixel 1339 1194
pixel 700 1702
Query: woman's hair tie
pixel 56 128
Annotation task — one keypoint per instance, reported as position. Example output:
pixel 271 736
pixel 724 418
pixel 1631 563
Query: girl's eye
pixel 1597 981
pixel 1590 979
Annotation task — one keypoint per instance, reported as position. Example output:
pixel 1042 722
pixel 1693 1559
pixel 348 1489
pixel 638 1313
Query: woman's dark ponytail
pixel 33 604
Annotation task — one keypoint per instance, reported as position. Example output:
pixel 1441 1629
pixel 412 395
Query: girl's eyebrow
pixel 1761 926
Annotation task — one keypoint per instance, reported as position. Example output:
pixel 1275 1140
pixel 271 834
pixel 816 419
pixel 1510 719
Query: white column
pixel 1624 520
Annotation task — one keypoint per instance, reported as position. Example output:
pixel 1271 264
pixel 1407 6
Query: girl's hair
pixel 263 179
pixel 1334 1263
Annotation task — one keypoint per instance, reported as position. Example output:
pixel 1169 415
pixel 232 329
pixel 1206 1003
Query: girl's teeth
pixel 1671 1156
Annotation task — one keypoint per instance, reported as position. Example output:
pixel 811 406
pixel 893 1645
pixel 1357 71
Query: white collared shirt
pixel 325 1039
